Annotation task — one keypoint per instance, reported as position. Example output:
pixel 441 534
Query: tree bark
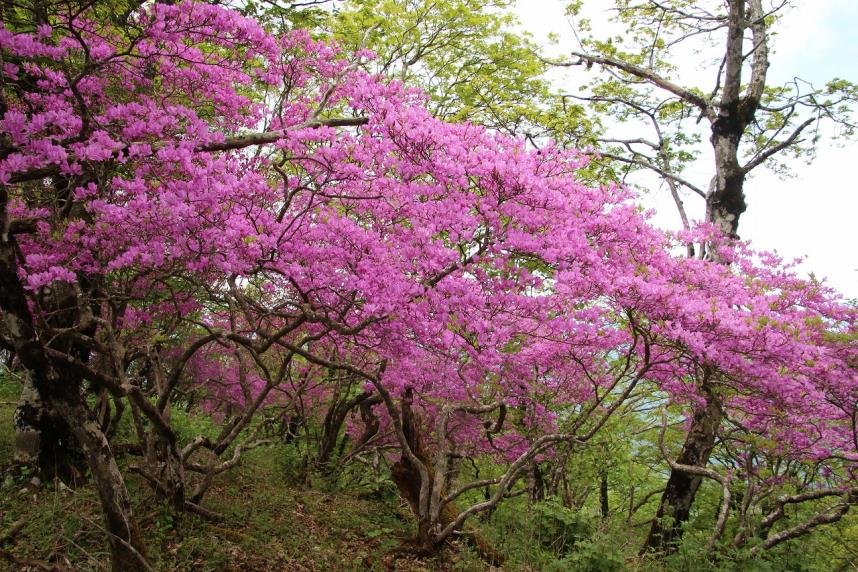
pixel 43 439
pixel 407 477
pixel 60 389
pixel 127 549
pixel 682 487
pixel 333 425
pixel 535 483
pixel 604 506
pixel 725 201
pixel 408 481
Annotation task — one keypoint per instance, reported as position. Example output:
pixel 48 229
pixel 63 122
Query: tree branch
pixel 666 174
pixel 761 157
pixel 724 510
pixel 645 74
pixel 830 515
pixel 266 137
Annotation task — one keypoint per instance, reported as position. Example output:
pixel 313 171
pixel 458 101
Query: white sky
pixel 815 213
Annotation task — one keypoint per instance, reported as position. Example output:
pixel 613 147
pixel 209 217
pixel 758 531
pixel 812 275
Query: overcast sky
pixel 815 213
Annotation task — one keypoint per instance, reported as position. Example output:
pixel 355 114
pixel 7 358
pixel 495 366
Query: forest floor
pixel 278 517
pixel 270 523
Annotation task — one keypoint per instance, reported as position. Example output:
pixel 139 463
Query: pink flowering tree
pixel 190 203
pixel 122 212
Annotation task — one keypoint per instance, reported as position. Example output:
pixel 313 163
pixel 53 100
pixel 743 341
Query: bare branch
pixel 267 137
pixel 830 515
pixel 645 74
pixel 647 165
pixel 761 158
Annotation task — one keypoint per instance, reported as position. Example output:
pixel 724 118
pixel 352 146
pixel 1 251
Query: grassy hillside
pixel 278 517
pixel 270 522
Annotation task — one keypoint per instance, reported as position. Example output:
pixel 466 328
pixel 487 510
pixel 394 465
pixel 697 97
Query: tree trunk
pixel 333 426
pixel 725 201
pixel 407 477
pixel 171 475
pixel 127 550
pixel 408 481
pixel 27 424
pixel 61 390
pixel 535 483
pixel 43 440
pixel 681 487
pixel 604 506
pixel 163 459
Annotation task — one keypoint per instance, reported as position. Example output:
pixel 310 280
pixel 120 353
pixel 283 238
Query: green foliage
pixel 281 512
pixel 560 529
pixel 663 111
pixel 269 525
pixel 188 425
pixel 591 556
pixel 357 522
pixel 10 391
pixel 467 56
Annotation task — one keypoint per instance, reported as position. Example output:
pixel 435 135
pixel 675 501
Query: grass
pixel 270 524
pixel 267 527
pixel 274 520
pixel 10 391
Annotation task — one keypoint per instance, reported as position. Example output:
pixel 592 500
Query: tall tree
pixel 750 123
pixel 449 268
